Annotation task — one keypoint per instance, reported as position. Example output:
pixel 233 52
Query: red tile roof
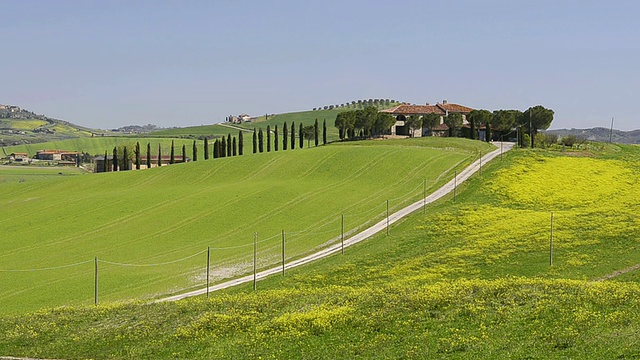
pixel 454 108
pixel 406 109
pixel 440 127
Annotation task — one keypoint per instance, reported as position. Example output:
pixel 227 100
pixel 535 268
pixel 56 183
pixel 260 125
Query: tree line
pixel 226 146
pixel 363 123
pixel 359 104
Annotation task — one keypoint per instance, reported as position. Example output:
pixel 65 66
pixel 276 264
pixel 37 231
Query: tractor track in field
pixel 363 235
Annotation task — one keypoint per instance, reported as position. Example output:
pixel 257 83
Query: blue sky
pixel 107 64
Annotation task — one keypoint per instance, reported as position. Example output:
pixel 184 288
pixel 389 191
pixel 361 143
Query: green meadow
pixel 150 229
pixel 469 278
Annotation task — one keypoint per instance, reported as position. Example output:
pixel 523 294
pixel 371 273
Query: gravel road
pixel 365 234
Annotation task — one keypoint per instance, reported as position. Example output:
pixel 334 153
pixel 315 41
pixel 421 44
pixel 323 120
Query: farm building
pixel 19 157
pixel 57 155
pixel 403 111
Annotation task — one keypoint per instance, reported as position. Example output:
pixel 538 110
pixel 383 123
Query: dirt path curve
pixel 234 127
pixel 367 233
pixel 618 273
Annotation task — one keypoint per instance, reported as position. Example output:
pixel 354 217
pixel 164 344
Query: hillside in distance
pixel 601 134
pixel 19 126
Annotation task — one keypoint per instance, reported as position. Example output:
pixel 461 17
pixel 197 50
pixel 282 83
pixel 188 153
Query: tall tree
pixel 301 135
pixel 268 138
pixel 308 133
pixel 216 149
pixel 293 135
pixel 414 122
pixel 184 153
pixel 235 147
pixel 537 118
pixel 223 147
pixel 172 157
pixel 148 155
pixel 194 152
pixel 125 159
pixel 285 132
pixel 240 142
pixel 260 140
pixel 115 159
pixel 105 166
pixel 275 139
pixel 206 148
pixel 454 122
pixel 384 122
pixel 477 118
pixel 255 141
pixel 229 145
pixel 159 156
pixel 316 133
pixel 430 121
pixel 137 155
pixel 324 132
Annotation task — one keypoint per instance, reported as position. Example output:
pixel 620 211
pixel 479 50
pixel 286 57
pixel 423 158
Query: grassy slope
pixel 98 145
pixel 431 289
pixel 161 215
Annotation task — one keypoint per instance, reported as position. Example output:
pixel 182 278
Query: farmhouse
pixel 57 155
pixel 19 157
pixel 403 111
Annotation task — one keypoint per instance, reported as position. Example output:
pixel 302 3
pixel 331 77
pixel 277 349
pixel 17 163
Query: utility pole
pixel 551 243
pixel 95 285
pixel 255 259
pixel 611 132
pixel 342 235
pixel 387 217
pixel 455 184
pixel 208 268
pixel 283 252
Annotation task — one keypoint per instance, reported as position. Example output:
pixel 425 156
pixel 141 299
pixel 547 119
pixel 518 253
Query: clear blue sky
pixel 107 64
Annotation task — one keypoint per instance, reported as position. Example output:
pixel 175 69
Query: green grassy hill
pixel 140 223
pixel 469 279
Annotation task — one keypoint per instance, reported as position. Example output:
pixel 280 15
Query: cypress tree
pixel 115 159
pixel 105 166
pixel 316 133
pixel 275 139
pixel 228 144
pixel 268 138
pixel 148 155
pixel 216 149
pixel 206 148
pixel 125 159
pixel 172 159
pixel 184 153
pixel 285 132
pixel 293 135
pixel 301 136
pixel 324 132
pixel 195 151
pixel 261 141
pixel 255 141
pixel 137 155
pixel 235 151
pixel 223 147
pixel 240 142
pixel 159 156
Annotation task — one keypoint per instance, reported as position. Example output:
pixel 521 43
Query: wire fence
pixel 239 260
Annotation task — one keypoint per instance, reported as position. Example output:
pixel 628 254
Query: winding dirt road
pixel 365 234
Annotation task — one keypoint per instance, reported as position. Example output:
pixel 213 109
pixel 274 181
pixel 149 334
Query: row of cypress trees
pixel 224 147
pixel 304 132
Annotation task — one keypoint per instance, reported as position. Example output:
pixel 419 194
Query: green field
pixel 140 223
pixel 22 173
pixel 466 279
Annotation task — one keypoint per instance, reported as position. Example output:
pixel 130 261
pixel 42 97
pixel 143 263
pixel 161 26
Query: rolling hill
pixel 140 223
pixel 466 279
